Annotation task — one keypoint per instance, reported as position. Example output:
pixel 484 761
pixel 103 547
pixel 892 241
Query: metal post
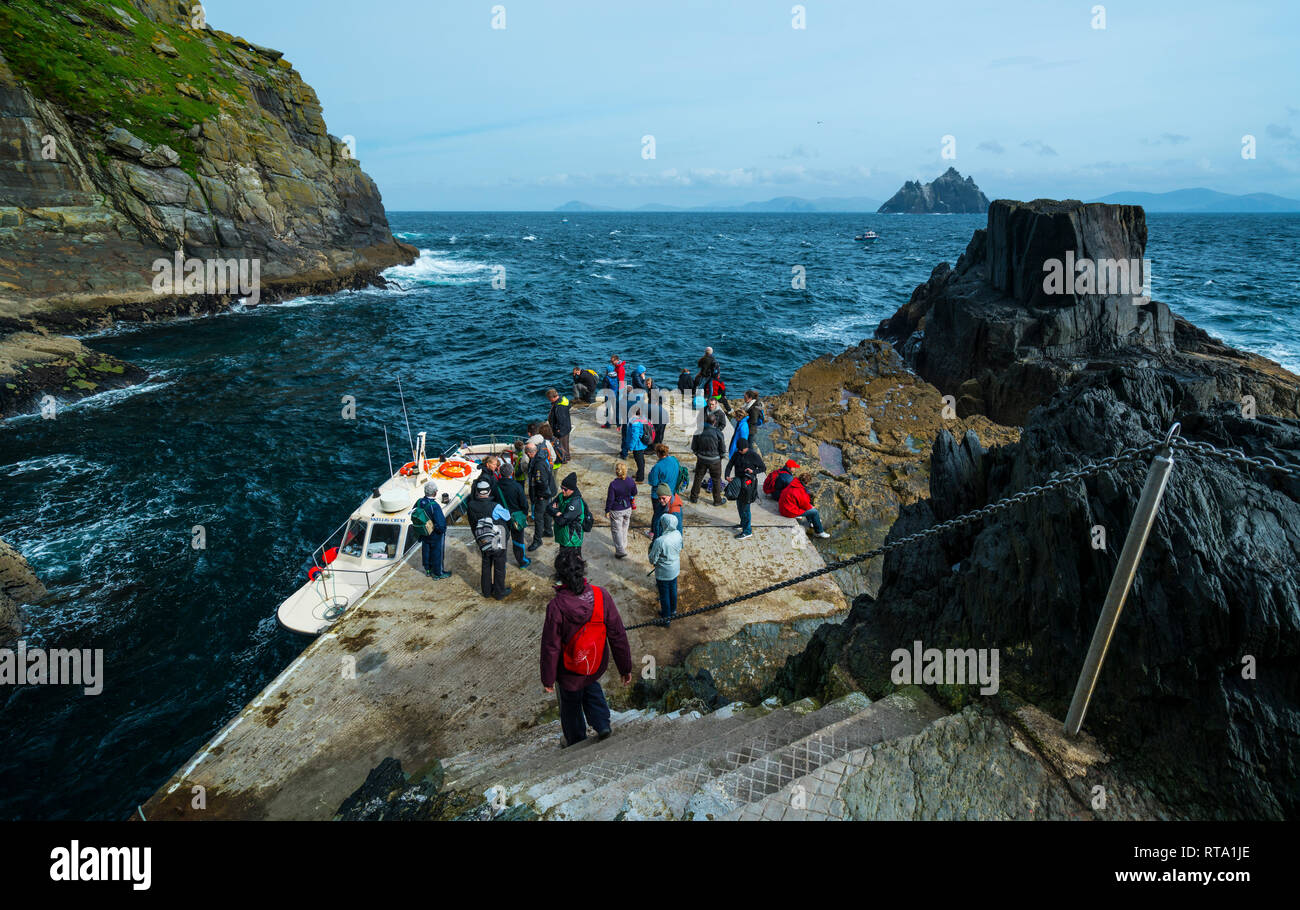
pixel 1121 582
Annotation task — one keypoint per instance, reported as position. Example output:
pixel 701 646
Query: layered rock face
pixel 947 194
pixel 131 132
pixel 1184 704
pixel 1002 336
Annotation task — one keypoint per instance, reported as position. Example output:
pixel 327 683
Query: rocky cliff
pixel 133 131
pixel 18 586
pixel 1217 593
pixel 947 194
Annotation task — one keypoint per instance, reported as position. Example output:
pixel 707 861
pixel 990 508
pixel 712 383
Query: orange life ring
pixel 409 468
pixel 455 469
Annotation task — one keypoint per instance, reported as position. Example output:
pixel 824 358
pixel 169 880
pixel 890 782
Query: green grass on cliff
pixel 107 70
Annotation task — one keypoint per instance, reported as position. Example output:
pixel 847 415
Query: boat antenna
pixel 406 417
pixel 389 451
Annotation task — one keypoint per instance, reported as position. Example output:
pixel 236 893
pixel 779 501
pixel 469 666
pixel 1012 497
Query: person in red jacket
pixel 582 700
pixel 796 503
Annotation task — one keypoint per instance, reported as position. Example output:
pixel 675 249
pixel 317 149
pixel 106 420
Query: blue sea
pixel 240 429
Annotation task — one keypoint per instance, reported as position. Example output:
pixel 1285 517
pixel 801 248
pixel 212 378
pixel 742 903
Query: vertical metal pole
pixel 1120 584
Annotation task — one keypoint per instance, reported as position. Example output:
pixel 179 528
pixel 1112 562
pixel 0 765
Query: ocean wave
pixel 430 268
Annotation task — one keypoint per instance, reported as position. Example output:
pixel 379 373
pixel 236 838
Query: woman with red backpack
pixel 582 628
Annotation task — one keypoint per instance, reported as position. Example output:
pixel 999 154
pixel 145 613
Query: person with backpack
pixel 511 494
pixel 754 413
pixel 581 631
pixel 541 490
pixel 620 500
pixel 796 503
pixel 543 445
pixel 667 469
pixel 746 466
pixel 708 445
pixel 488 522
pixel 665 502
pixel 666 557
pixel 430 526
pixel 561 422
pixel 570 514
pixel 775 483
pixel 584 385
pixel 519 463
pixel 638 434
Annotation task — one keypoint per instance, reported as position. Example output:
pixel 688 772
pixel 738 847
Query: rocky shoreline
pixel 228 162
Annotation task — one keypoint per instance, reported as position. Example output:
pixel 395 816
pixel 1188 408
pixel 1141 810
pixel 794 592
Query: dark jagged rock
pixel 948 193
pixel 989 333
pixel 1219 581
pixel 1218 587
pixel 18 585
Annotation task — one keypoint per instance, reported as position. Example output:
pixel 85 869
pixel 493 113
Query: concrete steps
pixel 890 718
pixel 661 790
pixel 738 763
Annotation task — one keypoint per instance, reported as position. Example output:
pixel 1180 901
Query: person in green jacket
pixel 569 513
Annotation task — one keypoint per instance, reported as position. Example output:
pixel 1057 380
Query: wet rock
pixel 861 423
pixel 18 586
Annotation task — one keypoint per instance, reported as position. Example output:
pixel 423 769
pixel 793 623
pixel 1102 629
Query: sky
pixel 1030 98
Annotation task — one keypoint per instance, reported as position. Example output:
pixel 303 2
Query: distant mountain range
pixel 1190 201
pixel 777 204
pixel 1203 200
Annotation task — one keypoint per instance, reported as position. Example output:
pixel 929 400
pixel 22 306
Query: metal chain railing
pixel 1056 482
pixel 1234 456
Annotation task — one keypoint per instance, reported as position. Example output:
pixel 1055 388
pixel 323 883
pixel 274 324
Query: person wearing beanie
pixel 569 513
pixel 665 502
pixel 433 542
pixel 482 509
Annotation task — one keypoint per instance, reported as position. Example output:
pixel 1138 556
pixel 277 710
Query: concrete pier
pixel 423 669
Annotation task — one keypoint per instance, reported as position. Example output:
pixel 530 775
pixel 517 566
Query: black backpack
pixel 588 521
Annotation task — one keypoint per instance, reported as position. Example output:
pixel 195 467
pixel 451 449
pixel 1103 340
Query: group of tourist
pixel 509 494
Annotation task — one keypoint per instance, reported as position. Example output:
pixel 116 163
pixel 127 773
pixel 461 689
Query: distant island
pixel 948 194
pixel 1203 200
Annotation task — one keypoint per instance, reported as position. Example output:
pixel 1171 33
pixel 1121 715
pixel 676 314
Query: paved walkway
pixel 422 669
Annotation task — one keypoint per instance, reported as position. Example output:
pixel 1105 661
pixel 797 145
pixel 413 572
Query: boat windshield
pixel 383 541
pixel 354 537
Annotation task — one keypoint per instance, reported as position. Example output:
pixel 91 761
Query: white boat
pixel 378 536
pixel 867 235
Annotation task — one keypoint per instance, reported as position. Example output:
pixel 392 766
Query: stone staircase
pixel 741 762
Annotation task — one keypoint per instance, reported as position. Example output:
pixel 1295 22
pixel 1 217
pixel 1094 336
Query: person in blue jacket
pixel 433 546
pixel 636 435
pixel 638 378
pixel 665 470
pixel 742 430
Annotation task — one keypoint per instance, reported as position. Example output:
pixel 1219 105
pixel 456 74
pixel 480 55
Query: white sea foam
pixel 430 268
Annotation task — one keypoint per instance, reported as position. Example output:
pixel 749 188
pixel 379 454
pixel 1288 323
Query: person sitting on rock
pixel 797 504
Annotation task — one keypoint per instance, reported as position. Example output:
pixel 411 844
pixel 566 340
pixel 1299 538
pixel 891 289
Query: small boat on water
pixel 867 235
pixel 378 537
